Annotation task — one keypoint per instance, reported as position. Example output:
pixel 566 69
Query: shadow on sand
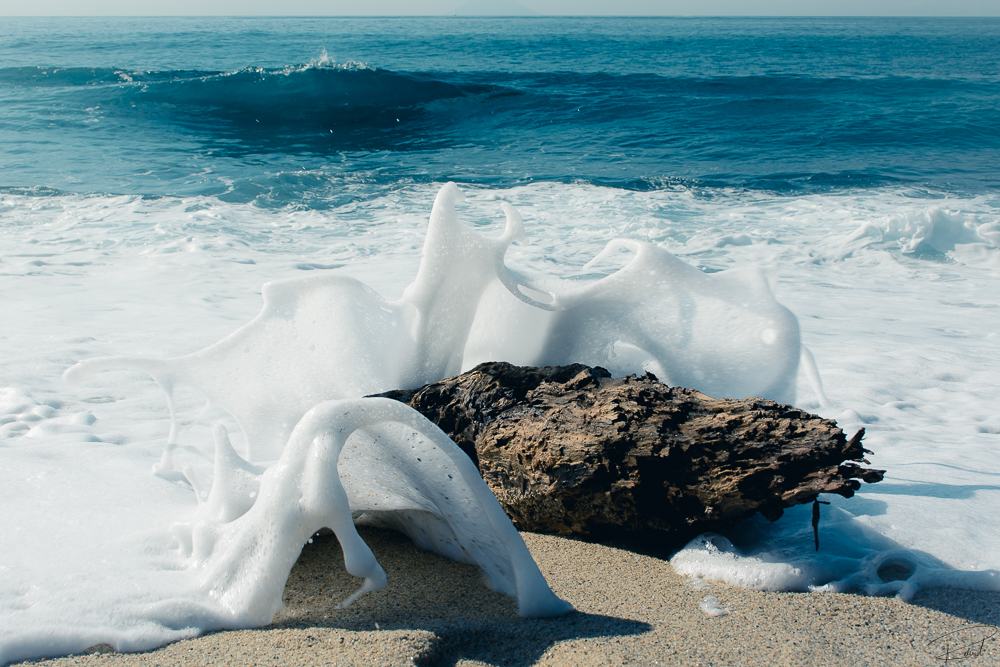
pixel 432 593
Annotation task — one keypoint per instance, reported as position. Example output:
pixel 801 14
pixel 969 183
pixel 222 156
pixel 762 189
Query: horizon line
pixel 507 16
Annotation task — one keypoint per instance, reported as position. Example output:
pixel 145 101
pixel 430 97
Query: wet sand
pixel 632 609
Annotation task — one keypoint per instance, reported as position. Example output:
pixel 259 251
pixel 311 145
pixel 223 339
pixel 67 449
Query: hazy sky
pixel 552 7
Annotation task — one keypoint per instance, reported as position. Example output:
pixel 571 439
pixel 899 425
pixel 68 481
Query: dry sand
pixel 632 609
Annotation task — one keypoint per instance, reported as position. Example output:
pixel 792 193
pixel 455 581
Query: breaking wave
pixel 319 93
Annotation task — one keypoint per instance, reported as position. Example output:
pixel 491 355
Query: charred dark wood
pixel 571 451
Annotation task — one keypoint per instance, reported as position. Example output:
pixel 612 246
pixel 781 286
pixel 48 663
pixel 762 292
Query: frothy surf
pixel 135 576
pixel 335 338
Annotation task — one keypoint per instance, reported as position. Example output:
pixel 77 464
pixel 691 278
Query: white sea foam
pixel 330 336
pixel 905 336
pixel 250 527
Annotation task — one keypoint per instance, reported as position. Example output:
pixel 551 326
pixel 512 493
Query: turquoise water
pixel 308 112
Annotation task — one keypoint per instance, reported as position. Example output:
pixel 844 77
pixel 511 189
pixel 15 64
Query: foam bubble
pixel 713 557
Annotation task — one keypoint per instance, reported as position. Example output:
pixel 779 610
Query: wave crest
pixel 321 92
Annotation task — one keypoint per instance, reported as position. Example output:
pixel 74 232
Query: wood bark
pixel 571 451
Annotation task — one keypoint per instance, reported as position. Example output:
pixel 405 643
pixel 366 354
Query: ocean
pixel 155 173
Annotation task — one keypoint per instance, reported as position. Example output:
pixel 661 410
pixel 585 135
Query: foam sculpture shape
pixel 346 458
pixel 327 337
pixel 293 378
pixel 721 333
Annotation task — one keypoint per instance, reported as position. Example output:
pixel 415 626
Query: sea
pixel 156 172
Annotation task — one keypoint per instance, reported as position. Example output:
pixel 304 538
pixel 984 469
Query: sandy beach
pixel 632 609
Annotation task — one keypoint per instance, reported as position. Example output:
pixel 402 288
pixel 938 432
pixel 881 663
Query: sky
pixel 545 7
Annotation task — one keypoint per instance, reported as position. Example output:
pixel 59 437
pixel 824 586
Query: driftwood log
pixel 571 451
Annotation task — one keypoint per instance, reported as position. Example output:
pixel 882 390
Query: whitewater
pixel 156 249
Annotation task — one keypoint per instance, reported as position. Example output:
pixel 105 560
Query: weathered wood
pixel 571 451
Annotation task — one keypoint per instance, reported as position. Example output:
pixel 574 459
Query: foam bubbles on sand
pixel 710 605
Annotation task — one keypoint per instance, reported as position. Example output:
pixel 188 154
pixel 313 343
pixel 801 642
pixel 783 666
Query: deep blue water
pixel 249 110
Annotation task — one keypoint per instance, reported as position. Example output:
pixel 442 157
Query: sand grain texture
pixel 633 609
